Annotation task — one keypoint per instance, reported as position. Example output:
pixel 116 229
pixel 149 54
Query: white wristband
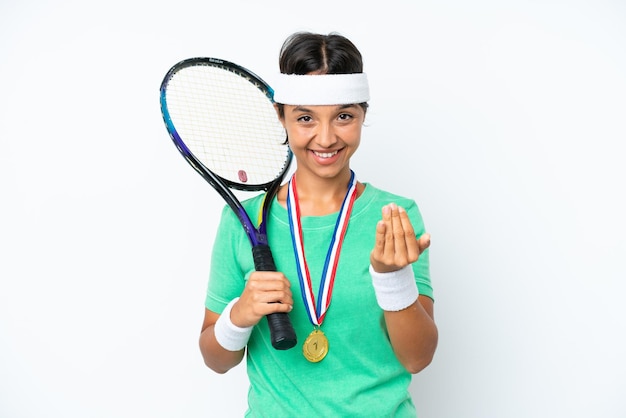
pixel 229 335
pixel 396 290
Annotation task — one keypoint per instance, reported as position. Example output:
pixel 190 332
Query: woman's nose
pixel 326 136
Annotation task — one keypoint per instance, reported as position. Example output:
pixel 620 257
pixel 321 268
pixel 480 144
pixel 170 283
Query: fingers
pixel 269 287
pixel 406 247
pixel 379 244
pixel 395 244
pixel 265 292
pixel 400 244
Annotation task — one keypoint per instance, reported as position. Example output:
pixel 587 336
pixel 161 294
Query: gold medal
pixel 315 347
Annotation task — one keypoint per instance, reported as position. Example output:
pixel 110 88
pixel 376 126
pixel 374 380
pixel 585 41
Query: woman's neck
pixel 318 196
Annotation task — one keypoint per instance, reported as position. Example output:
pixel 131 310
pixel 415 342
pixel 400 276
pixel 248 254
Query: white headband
pixel 321 89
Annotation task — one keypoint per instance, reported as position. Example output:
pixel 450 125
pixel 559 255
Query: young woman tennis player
pixel 352 262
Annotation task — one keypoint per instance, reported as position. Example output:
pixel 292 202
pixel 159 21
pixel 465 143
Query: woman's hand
pixel 266 292
pixel 396 245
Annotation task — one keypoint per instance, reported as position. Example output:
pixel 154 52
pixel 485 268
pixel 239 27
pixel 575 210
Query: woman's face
pixel 323 138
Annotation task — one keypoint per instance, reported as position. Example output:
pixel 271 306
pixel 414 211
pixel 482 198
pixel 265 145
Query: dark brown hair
pixel 306 53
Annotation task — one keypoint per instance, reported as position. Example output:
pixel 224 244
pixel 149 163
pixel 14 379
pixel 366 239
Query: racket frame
pixel 222 185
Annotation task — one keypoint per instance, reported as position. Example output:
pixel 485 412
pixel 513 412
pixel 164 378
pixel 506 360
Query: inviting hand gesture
pixel 396 244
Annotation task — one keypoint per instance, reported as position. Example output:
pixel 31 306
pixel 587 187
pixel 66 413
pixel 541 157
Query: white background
pixel 505 120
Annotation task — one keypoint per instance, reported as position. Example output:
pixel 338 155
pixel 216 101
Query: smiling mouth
pixel 325 154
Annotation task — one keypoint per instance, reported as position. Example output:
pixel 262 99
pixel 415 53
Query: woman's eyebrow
pixel 306 109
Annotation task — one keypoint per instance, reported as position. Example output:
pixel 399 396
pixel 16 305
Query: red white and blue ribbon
pixel 317 311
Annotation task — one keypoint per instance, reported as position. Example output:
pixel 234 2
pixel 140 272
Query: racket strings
pixel 228 124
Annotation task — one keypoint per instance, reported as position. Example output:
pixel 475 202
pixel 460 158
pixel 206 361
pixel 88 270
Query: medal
pixel 315 347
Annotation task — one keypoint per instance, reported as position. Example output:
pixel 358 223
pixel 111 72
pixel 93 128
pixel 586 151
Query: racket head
pixel 222 119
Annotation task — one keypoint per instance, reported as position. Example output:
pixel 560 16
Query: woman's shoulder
pixel 377 198
pixel 376 194
pixel 251 205
pixel 253 202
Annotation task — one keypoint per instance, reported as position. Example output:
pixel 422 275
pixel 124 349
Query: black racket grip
pixel 281 331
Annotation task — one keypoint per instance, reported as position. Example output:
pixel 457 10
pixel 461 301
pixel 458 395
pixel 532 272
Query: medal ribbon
pixel 317 312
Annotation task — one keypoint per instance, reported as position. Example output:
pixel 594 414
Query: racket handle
pixel 282 333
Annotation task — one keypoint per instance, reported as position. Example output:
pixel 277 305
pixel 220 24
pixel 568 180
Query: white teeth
pixel 325 154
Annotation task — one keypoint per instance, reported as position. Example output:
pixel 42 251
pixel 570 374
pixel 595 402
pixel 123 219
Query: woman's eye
pixel 304 119
pixel 345 116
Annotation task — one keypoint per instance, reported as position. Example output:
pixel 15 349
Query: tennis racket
pixel 221 118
